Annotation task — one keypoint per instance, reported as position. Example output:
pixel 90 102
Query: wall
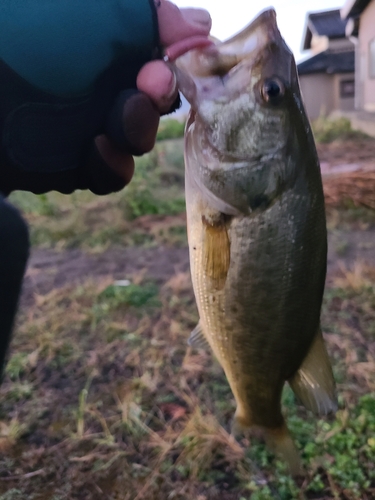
pixel 318 92
pixel 321 94
pixel 366 85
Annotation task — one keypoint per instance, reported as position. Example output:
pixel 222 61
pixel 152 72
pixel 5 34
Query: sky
pixel 230 16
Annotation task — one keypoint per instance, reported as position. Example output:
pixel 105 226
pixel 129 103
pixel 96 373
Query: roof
pixel 354 8
pixel 326 23
pixel 328 62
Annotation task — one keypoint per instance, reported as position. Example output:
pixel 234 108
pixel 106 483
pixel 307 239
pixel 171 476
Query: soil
pixel 49 269
pixel 360 152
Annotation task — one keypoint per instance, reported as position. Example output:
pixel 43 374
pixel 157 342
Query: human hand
pixel 85 97
pixel 135 119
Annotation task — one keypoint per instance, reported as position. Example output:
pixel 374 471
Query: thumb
pixel 177 24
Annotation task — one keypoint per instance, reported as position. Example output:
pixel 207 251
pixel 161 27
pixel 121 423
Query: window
pixel 372 58
pixel 347 88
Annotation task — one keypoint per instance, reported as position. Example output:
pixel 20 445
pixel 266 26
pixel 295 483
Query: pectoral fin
pixel 197 338
pixel 313 384
pixel 216 252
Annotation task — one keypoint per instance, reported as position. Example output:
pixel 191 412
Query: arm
pixel 61 85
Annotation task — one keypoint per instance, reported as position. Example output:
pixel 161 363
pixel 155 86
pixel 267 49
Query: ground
pixel 102 398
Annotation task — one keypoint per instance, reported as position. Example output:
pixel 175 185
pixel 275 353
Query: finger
pixel 122 164
pixel 133 123
pixel 177 24
pixel 158 81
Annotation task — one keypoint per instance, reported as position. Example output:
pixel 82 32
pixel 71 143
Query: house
pixel 360 28
pixel 327 77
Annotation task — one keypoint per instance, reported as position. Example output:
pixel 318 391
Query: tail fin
pixel 277 439
pixel 280 442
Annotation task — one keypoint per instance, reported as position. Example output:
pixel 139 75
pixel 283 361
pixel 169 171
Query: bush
pixel 328 130
pixel 170 128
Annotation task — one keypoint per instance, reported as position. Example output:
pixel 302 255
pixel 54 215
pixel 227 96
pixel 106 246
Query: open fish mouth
pixel 205 73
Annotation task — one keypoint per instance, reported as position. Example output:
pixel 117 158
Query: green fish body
pixel 256 227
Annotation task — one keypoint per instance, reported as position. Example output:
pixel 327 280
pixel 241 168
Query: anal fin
pixel 313 383
pixel 197 338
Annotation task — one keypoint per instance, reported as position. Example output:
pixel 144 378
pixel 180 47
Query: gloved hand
pixel 78 95
pixel 180 30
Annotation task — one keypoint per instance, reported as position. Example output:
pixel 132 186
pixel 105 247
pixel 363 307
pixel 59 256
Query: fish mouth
pixel 246 44
pixel 207 67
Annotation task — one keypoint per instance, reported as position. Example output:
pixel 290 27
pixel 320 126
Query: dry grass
pixel 103 399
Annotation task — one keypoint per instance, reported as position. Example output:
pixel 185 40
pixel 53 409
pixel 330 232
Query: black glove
pixel 48 141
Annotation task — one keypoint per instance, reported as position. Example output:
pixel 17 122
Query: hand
pixel 180 30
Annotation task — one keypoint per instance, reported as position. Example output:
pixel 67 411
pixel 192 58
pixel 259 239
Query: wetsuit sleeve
pixel 62 46
pixel 63 64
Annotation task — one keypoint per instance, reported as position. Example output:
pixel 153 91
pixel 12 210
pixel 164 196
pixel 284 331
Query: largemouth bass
pixel 256 227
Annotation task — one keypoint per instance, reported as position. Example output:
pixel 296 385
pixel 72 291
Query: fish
pixel 256 228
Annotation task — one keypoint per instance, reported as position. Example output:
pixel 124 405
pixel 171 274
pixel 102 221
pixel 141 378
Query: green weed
pixel 83 220
pixel 131 295
pixel 328 130
pixel 13 494
pixel 170 128
pixel 41 204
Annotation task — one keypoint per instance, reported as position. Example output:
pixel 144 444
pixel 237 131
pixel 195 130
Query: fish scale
pixel 256 228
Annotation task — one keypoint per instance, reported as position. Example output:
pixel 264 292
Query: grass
pixel 83 220
pixel 170 129
pixel 102 395
pixel 103 399
pixel 327 130
pixel 350 217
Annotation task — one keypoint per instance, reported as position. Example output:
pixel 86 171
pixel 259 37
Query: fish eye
pixel 272 91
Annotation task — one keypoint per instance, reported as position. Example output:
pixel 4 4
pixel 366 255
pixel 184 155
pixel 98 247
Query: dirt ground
pixel 360 152
pixel 50 269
